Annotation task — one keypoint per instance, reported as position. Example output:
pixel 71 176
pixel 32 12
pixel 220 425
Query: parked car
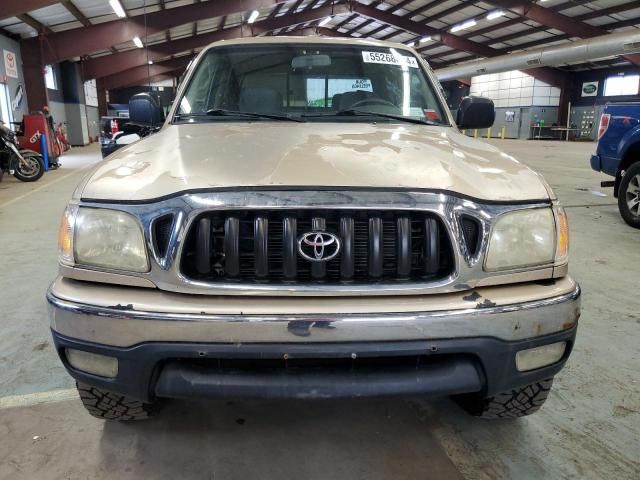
pixel 310 223
pixel 618 155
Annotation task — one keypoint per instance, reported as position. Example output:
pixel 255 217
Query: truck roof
pixel 309 40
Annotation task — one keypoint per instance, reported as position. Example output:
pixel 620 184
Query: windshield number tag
pixel 389 59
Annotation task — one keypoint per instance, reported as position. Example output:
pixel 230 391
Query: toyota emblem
pixel 318 246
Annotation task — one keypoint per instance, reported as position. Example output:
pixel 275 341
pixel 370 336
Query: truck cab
pixel 618 155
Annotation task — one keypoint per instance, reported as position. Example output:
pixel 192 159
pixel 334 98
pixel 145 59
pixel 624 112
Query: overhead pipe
pixel 612 44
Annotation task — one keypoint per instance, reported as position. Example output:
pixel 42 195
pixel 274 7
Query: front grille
pixel 262 246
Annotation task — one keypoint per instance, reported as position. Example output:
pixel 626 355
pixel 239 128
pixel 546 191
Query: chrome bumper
pixel 488 313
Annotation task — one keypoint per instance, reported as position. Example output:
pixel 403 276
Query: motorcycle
pixel 26 165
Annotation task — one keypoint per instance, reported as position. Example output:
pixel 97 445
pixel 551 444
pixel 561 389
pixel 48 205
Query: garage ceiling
pixel 513 25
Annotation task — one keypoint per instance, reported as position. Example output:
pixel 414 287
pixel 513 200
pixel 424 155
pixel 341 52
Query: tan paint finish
pixel 88 275
pixel 280 154
pixel 148 300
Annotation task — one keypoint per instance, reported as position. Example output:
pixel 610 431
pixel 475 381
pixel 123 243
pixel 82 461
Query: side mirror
pixel 475 112
pixel 145 110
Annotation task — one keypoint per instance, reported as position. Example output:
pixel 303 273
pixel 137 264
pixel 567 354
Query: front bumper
pixel 175 354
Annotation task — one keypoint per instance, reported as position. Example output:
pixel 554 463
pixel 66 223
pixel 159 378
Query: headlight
pixel 522 238
pixel 102 238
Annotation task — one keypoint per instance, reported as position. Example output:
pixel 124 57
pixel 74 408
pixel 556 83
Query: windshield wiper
pixel 221 112
pixel 364 113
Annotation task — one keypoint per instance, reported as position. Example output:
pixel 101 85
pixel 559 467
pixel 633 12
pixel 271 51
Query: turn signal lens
pixel 539 357
pixel 65 235
pixel 94 363
pixel 562 228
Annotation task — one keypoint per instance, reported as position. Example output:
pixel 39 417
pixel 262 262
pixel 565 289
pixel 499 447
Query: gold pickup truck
pixel 309 222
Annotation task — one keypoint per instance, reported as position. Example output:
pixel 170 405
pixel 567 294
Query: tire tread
pixel 112 406
pixel 515 403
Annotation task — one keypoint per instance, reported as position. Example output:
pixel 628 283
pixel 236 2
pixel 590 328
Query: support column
pixel 102 97
pixel 33 67
pixel 565 97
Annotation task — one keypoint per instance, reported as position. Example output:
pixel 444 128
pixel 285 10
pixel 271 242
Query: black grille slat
pixel 376 247
pixel 404 247
pixel 431 246
pixel 346 254
pixel 232 246
pixel 289 247
pixel 261 246
pixel 203 246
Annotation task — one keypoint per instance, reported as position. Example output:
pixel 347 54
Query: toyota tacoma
pixel 310 223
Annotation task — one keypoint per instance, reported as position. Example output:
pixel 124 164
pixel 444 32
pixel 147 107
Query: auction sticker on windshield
pixel 389 59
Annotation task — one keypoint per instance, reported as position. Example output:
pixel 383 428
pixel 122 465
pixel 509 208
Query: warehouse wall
pixel 587 109
pixel 13 83
pixel 520 100
pixel 515 89
pixel 579 99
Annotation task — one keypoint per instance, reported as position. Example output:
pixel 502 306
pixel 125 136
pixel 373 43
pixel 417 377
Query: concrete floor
pixel 589 428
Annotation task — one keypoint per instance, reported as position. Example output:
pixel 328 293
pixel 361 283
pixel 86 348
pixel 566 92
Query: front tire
pixel 32 171
pixel 112 406
pixel 629 196
pixel 515 403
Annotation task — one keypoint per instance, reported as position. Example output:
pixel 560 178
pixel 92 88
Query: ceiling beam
pixel 509 23
pixel 553 19
pixel 33 23
pixel 77 42
pixel 548 18
pixel 77 14
pixel 13 8
pixel 548 75
pixel 155 79
pixel 140 75
pixel 435 16
pixel 410 26
pixel 317 31
pixel 536 43
pixel 110 64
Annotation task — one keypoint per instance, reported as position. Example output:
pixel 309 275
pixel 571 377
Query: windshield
pixel 310 82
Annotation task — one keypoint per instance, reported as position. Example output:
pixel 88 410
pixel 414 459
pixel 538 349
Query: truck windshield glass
pixel 310 83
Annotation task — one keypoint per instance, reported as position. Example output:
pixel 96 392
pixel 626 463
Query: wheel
pixel 629 196
pixel 112 406
pixel 30 170
pixel 515 403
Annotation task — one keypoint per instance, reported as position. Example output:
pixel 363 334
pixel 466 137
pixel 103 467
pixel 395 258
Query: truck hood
pixel 285 154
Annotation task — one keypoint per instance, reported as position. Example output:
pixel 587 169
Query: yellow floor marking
pixel 38 398
pixel 44 185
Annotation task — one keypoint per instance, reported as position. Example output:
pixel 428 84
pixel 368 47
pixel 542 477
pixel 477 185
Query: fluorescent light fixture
pixel 254 16
pixel 117 8
pixel 324 21
pixel 495 14
pixel 425 39
pixel 411 44
pixel 464 26
pixel 138 42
